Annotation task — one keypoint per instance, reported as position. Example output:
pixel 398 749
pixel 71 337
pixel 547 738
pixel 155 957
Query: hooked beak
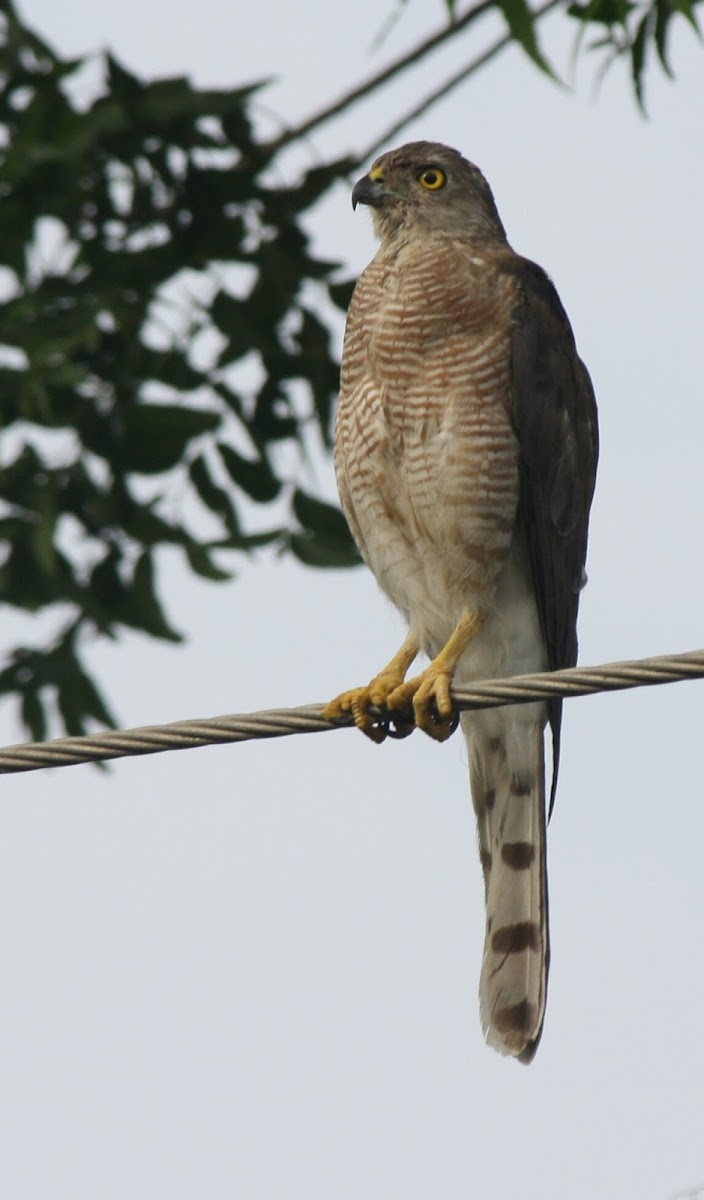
pixel 369 190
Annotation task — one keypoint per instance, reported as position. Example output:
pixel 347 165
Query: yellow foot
pixel 359 700
pixel 429 695
pixel 424 701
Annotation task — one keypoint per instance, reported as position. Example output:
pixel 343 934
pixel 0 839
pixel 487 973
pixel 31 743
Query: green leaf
pixel 141 608
pixel 249 541
pixel 234 320
pixel 662 27
pixel 602 12
pixel 256 478
pixel 33 713
pixel 314 184
pixel 157 435
pixel 203 565
pixel 638 52
pixel 122 82
pixel 172 368
pixel 25 584
pixel 341 293
pixel 131 602
pixel 686 8
pixel 145 525
pixel 213 496
pixel 270 422
pixel 92 701
pixel 326 540
pixel 521 23
pixel 319 516
pixel 69 694
pixel 319 552
pixel 320 369
pixel 42 534
pixel 75 693
pixel 106 587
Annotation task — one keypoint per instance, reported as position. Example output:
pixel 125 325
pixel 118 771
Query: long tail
pixel 507 775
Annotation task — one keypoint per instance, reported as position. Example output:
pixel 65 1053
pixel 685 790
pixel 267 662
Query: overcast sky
pixel 252 971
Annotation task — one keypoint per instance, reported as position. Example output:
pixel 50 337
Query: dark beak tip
pixel 367 191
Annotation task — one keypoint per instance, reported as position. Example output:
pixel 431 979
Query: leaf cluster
pixel 146 394
pixel 624 29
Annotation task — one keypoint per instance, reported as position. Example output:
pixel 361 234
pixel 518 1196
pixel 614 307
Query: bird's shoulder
pixel 553 397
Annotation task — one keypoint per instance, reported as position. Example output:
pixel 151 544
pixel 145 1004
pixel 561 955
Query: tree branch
pixel 382 77
pixel 439 93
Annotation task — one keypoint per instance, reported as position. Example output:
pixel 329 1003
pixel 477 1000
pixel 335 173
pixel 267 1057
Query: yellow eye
pixel 432 178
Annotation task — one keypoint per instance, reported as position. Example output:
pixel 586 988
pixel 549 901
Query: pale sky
pixel 252 971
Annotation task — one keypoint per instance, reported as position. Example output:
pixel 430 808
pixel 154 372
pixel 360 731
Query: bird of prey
pixel 465 456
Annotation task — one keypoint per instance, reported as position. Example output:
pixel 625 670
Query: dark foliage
pixel 113 218
pixel 623 29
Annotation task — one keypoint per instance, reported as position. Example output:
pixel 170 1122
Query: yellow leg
pixel 358 700
pixel 429 692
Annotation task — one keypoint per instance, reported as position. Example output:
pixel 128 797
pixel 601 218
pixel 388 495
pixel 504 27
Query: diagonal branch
pixel 376 81
pixel 439 93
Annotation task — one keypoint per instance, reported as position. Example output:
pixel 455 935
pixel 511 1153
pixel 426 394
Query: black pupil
pixel 431 177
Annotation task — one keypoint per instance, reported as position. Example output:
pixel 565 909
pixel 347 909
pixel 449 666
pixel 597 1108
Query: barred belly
pixel 426 458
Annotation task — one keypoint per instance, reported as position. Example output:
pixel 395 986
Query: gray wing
pixel 555 418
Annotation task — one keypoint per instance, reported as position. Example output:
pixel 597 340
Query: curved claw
pixel 437 727
pixel 400 724
pixel 368 705
pixel 356 702
pixel 429 694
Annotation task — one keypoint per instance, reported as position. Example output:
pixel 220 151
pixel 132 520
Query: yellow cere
pixel 376 175
pixel 432 178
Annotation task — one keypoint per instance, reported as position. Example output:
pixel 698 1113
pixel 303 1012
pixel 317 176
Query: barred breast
pixel 426 459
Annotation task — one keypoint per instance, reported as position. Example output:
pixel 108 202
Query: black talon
pixel 379 730
pixel 450 722
pixel 403 724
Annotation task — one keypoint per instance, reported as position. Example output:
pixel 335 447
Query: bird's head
pixel 425 186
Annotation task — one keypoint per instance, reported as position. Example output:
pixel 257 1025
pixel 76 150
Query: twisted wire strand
pixel 211 731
